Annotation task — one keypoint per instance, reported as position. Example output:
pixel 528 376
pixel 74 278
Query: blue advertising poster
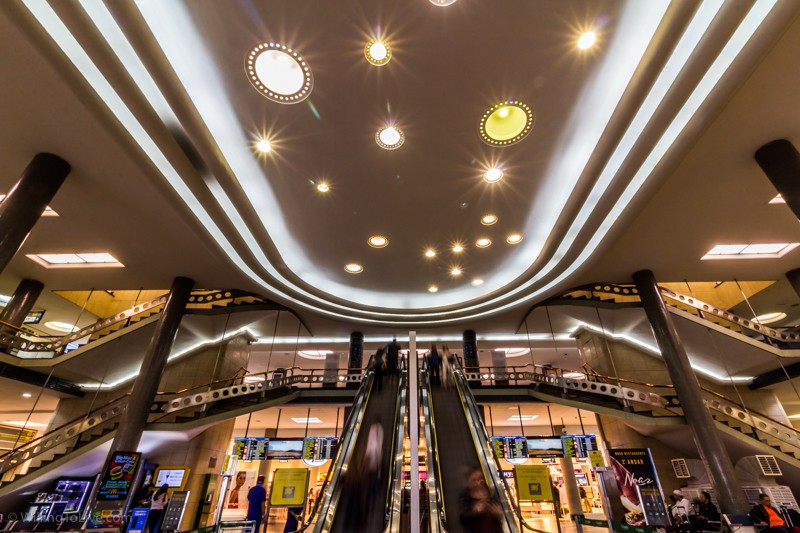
pixel 138 520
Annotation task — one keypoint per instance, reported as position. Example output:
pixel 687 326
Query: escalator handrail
pixel 393 506
pixel 435 497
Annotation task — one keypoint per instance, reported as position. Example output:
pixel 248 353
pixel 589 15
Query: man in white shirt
pixel 682 509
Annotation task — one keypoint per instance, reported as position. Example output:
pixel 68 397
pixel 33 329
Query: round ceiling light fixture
pixel 378 241
pixel 506 123
pixel 488 220
pixel 353 268
pixel 514 238
pixel 377 52
pixel 433 288
pixel 263 146
pixel 443 3
pixel 323 187
pixel 493 175
pixel 477 282
pixel 456 271
pixel 390 138
pixel 61 327
pixel 587 40
pixel 483 242
pixel 279 73
pixel 430 252
pixel 769 318
pixel 457 248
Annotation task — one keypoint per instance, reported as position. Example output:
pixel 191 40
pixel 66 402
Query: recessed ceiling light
pixel 587 40
pixel 61 327
pixel 303 420
pixel 323 187
pixel 514 238
pixel 82 260
pixel 353 268
pixel 488 220
pixel 483 242
pixel 750 251
pixel 263 146
pixel 769 318
pixel 493 175
pixel 523 417
pixel 390 138
pixel 377 52
pixel 48 211
pixel 279 73
pixel 443 3
pixel 506 123
pixel 430 252
pixel 456 271
pixel 477 282
pixel 433 288
pixel 378 241
pixel 27 395
pixel 457 248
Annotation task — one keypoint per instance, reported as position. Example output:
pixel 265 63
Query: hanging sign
pixel 289 487
pixel 533 483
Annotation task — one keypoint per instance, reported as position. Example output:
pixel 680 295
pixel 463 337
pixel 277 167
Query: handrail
pixel 435 495
pixel 394 483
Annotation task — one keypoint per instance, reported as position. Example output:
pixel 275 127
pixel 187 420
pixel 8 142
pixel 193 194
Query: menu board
pixel 251 448
pixel 319 448
pixel 118 476
pixel 511 448
pixel 579 446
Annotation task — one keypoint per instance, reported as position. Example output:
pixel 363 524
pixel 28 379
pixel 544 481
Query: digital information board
pixel 251 448
pixel 511 447
pixel 579 446
pixel 320 448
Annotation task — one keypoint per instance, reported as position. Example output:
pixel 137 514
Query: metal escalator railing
pixel 173 403
pixel 436 504
pixel 394 495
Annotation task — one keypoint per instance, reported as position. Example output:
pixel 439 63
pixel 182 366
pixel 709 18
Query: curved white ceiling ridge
pixel 745 30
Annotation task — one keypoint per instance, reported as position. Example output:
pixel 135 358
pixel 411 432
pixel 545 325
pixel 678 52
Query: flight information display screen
pixel 320 448
pixel 579 446
pixel 515 447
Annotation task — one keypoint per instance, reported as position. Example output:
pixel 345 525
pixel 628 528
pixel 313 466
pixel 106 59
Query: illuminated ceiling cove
pixel 568 134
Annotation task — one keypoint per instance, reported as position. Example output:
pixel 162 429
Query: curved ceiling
pixel 607 121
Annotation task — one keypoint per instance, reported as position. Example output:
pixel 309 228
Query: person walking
pixel 157 504
pixel 257 503
pixel 480 513
pixel 373 460
pixel 294 516
pixel 766 518
pixel 379 367
pixel 435 363
pixel 446 369
pixel 392 357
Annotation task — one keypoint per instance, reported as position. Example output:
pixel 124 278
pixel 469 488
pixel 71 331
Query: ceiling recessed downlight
pixel 477 282
pixel 378 241
pixel 493 175
pixel 263 146
pixel 443 3
pixel 457 248
pixel 377 52
pixel 390 138
pixel 353 268
pixel 587 40
pixel 506 123
pixel 456 271
pixel 323 187
pixel 488 220
pixel 61 327
pixel 279 73
pixel 514 238
pixel 433 288
pixel 483 242
pixel 769 318
pixel 430 252
pixel 27 395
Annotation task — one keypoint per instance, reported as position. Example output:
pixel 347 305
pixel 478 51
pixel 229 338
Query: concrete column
pixel 21 302
pixel 715 456
pixel 355 356
pixel 134 419
pixel 471 362
pixel 571 483
pixel 780 161
pixel 27 200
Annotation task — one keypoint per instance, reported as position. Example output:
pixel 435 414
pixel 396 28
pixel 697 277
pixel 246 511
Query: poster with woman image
pixel 237 494
pixel 640 492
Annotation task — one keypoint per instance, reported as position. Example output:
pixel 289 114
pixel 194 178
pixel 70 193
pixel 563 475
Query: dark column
pixel 780 161
pixel 471 363
pixel 134 419
pixel 26 201
pixel 21 302
pixel 355 357
pixel 794 278
pixel 706 437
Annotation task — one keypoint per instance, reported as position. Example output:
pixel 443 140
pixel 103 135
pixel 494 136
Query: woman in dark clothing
pixel 157 504
pixel 480 513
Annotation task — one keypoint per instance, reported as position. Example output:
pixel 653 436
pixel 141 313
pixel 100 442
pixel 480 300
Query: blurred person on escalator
pixel 435 364
pixel 373 459
pixel 392 358
pixel 379 367
pixel 447 369
pixel 480 513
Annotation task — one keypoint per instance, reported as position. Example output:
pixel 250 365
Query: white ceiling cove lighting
pixel 515 352
pixel 279 73
pixel 353 268
pixel 769 318
pixel 390 138
pixel 87 260
pixel 61 327
pixel 750 251
pixel 48 211
pixel 24 423
pixel 587 40
pixel 314 354
pixel 377 52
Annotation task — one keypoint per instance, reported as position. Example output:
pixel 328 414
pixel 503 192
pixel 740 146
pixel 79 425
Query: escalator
pixel 344 494
pixel 457 443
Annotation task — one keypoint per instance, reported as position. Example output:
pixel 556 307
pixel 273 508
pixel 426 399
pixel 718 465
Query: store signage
pixel 596 458
pixel 533 483
pixel 640 493
pixel 118 476
pixel 138 520
pixel 34 317
pixel 289 487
